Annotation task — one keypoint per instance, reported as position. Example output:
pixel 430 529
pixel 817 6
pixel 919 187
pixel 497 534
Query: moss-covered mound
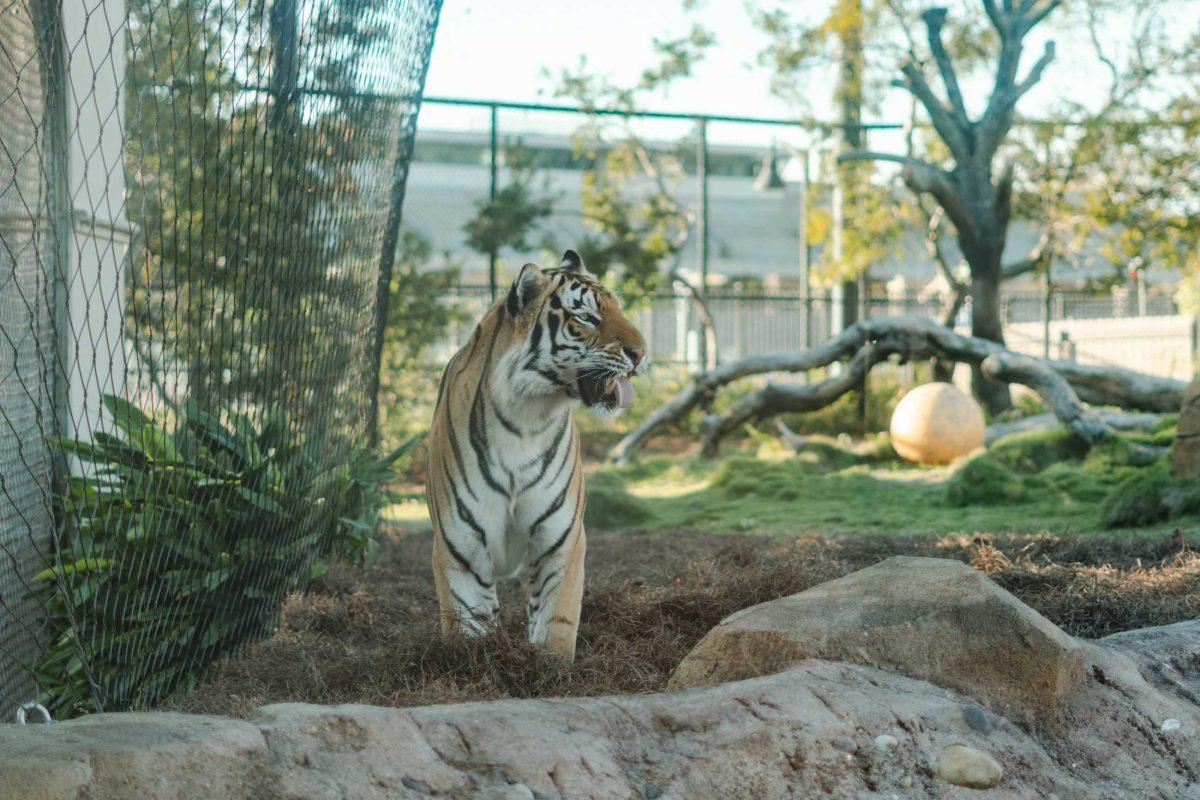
pixel 1150 496
pixel 1034 451
pixel 983 480
pixel 610 506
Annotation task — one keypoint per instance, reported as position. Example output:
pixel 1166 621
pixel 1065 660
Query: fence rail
pixel 1151 336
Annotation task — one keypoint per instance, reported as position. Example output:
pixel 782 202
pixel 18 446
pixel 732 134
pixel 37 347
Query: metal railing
pixel 700 245
pixel 1152 336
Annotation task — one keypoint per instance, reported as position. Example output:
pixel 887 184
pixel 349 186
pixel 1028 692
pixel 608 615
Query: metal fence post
pixel 702 221
pixel 805 255
pixel 1047 312
pixel 1195 345
pixel 492 164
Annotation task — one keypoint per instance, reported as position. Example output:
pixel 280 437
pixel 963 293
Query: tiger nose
pixel 635 354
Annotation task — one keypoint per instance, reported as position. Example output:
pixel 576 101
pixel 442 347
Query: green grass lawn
pixel 1027 484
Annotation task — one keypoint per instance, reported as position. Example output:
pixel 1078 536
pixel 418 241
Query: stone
pixel 1169 725
pixel 906 782
pixel 518 791
pixel 934 619
pixel 965 766
pixel 935 424
pixel 976 719
pixel 1185 460
pixel 886 742
pixel 143 755
pixel 845 744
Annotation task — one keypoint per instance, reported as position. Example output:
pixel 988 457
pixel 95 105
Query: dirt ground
pixel 370 637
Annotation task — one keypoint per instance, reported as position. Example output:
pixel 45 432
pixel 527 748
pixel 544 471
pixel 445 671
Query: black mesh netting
pixel 198 210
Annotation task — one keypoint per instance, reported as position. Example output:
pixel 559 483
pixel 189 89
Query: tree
pixel 256 265
pixel 510 218
pixel 972 190
pixel 638 227
pixel 797 48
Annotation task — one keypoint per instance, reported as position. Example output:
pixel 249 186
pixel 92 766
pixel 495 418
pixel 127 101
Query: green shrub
pixel 1149 496
pixel 1069 479
pixel 1033 451
pixel 983 480
pixel 1116 456
pixel 181 543
pixel 610 506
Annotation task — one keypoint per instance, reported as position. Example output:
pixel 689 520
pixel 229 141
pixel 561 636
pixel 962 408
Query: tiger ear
pixel 572 262
pixel 526 288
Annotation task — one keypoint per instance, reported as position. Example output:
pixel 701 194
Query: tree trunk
pixel 986 323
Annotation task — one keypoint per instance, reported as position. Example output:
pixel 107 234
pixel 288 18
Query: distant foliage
pixel 510 220
pixel 637 226
pixel 418 311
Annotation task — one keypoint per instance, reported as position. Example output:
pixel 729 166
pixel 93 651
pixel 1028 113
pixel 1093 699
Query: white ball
pixel 936 423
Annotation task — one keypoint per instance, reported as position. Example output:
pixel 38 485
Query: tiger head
pixel 572 341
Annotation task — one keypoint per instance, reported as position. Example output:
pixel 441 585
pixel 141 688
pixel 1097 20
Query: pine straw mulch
pixel 371 637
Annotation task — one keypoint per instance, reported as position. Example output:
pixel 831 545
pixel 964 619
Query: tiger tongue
pixel 624 392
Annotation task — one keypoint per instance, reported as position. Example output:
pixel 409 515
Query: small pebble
pixel 906 782
pixel 845 744
pixel 1170 725
pixel 966 766
pixel 885 741
pixel 976 719
pixel 518 791
pixel 418 786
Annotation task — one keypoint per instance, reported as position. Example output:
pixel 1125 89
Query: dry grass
pixel 371 638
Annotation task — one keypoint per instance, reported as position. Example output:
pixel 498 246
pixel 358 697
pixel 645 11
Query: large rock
pixel 809 732
pixel 822 730
pixel 929 618
pixel 1185 460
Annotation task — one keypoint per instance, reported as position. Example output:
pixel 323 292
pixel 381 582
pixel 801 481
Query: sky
pixel 502 49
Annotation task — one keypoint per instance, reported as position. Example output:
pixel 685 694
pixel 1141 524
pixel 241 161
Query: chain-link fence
pixel 199 205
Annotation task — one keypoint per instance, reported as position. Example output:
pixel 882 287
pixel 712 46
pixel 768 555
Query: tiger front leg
pixel 556 595
pixel 467 600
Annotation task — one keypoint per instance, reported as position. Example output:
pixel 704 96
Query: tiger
pixel 504 479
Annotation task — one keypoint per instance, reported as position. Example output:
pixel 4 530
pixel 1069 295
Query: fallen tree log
pixel 704 388
pixel 1123 388
pixel 909 338
pixel 1124 421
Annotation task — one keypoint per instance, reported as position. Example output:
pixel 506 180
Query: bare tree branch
pixel 994 15
pixel 1038 256
pixel 934 18
pixel 940 115
pixel 922 176
pixel 776 399
pixel 704 387
pixel 917 338
pixel 1035 72
pixel 1040 14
